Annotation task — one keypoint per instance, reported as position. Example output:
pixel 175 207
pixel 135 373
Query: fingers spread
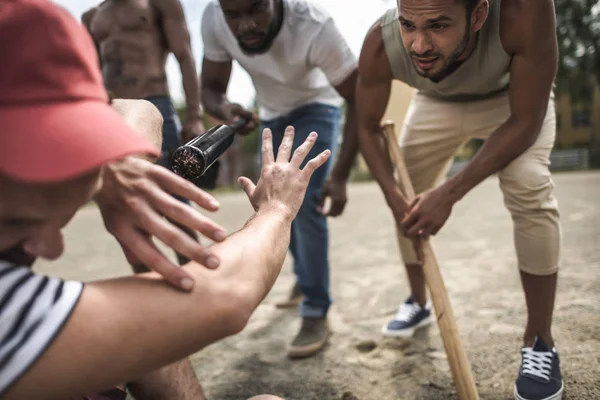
pixel 267 148
pixel 285 149
pixel 303 150
pixel 315 163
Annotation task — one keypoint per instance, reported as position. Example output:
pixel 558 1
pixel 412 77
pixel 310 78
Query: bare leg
pixel 265 397
pixel 540 292
pixel 176 381
pixel 416 279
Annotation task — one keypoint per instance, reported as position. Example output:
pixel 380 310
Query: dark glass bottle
pixel 193 159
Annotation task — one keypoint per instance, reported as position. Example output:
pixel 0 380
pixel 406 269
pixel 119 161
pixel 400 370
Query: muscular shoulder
pixel 526 23
pixel 373 64
pixel 168 7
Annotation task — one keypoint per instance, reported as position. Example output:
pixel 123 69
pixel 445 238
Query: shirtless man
pixel 133 39
pixel 482 69
pixel 303 71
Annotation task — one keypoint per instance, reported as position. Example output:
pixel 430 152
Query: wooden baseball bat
pixel 457 357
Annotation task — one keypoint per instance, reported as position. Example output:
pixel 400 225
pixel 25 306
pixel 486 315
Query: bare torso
pixel 132 46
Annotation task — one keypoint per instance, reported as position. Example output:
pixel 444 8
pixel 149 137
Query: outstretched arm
pixel 372 95
pixel 215 79
pixel 216 71
pixel 529 35
pixel 124 328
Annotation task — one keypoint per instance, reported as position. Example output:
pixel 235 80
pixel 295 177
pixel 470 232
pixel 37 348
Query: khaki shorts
pixel 434 130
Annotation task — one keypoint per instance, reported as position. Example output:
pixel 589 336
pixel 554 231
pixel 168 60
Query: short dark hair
pixel 470 4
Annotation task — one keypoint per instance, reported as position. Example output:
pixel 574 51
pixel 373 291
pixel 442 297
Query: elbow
pixel 184 57
pixel 236 304
pixel 529 130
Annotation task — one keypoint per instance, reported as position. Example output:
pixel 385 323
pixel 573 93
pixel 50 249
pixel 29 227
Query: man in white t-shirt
pixel 302 70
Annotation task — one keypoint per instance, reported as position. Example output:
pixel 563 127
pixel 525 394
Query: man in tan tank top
pixel 133 39
pixel 482 69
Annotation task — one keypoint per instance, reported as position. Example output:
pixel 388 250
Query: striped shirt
pixel 33 309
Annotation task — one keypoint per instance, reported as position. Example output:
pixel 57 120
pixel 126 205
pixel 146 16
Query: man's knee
pixel 528 195
pixel 265 397
pixel 528 188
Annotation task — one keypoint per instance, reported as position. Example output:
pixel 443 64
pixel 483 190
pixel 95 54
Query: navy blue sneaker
pixel 410 316
pixel 539 376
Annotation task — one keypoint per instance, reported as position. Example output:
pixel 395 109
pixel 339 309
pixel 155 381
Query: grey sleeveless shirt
pixel 484 74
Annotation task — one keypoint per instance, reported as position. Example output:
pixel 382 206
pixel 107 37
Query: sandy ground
pixel 477 259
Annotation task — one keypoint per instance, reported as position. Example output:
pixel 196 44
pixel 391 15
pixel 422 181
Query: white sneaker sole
pixel 405 332
pixel 556 396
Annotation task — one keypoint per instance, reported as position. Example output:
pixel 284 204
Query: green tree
pixel 578 32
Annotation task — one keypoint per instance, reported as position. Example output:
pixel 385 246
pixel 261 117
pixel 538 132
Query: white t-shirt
pixel 307 59
pixel 33 310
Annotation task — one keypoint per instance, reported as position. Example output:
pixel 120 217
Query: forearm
pixel 508 142
pixel 108 337
pixel 191 86
pixel 252 258
pixel 213 102
pixel 375 154
pixel 349 147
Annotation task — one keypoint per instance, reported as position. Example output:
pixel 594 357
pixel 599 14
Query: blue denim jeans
pixel 171 132
pixel 309 243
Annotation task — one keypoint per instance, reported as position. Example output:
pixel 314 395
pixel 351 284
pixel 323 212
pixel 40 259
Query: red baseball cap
pixel 55 119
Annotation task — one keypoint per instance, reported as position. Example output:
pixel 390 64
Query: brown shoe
pixel 312 337
pixel 293 300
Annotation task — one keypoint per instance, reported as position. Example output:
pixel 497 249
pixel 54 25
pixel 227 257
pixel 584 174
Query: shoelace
pixel 407 312
pixel 537 363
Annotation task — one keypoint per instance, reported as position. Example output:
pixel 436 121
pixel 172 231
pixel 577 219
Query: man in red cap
pixel 61 144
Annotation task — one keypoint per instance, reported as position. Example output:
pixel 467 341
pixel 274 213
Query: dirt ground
pixel 476 255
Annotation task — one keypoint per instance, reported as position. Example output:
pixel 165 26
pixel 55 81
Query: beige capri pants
pixel 434 130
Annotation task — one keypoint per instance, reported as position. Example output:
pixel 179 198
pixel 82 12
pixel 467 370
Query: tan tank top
pixel 484 74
